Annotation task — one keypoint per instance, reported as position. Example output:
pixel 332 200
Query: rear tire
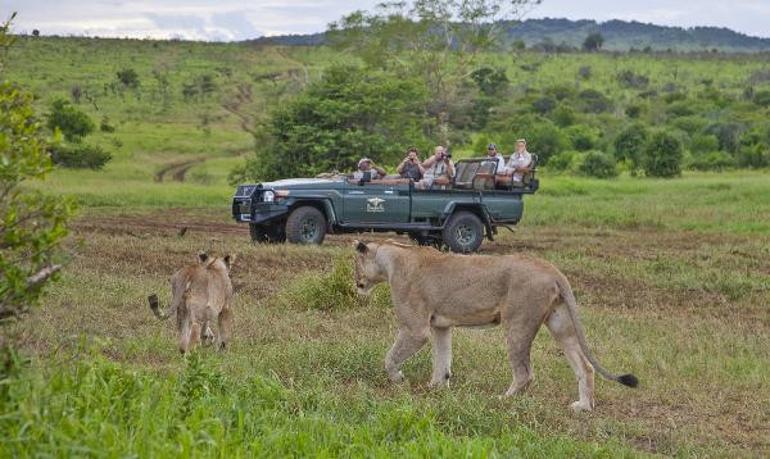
pixel 464 232
pixel 306 225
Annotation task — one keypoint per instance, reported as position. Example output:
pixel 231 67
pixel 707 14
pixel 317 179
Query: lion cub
pixel 201 292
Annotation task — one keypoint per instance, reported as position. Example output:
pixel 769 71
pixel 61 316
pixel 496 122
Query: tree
pixel 349 114
pixel 128 78
pixel 663 155
pixel 630 144
pixel 32 225
pixel 438 40
pixel 593 42
pixel 73 123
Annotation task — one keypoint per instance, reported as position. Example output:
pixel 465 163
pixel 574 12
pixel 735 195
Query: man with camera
pixel 439 170
pixel 410 167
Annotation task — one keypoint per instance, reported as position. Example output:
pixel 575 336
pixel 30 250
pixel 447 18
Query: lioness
pixel 433 291
pixel 201 292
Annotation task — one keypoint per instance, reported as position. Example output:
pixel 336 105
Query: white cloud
pixel 238 20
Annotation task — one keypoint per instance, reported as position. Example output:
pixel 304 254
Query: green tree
pixel 598 164
pixel 440 41
pixel 630 144
pixel 347 115
pixel 663 155
pixel 32 225
pixel 73 123
pixel 593 42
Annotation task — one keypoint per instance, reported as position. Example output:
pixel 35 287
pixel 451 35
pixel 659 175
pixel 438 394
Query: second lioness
pixel 201 294
pixel 433 291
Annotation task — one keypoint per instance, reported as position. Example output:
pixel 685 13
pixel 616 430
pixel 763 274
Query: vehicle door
pixel 376 203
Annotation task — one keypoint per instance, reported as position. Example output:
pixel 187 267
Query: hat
pixel 491 146
pixel 521 141
pixel 364 160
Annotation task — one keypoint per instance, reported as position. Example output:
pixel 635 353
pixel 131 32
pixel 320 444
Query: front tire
pixel 306 225
pixel 464 232
pixel 262 234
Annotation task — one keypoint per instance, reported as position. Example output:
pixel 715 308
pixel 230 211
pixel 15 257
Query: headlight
pixel 268 196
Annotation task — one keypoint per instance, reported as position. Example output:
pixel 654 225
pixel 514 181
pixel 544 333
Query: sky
pixel 224 20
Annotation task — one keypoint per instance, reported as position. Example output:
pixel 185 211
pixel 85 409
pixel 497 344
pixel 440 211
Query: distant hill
pixel 618 36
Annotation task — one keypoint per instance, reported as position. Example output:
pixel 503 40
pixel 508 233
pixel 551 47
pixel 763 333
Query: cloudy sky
pixel 237 20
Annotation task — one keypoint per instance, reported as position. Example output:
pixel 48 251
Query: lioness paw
pixel 579 407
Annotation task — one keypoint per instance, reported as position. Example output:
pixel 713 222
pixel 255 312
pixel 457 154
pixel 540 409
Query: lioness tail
pixel 155 307
pixel 569 299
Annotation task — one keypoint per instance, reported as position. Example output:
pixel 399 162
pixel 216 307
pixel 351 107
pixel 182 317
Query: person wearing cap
pixel 410 167
pixel 519 163
pixel 367 165
pixel 494 155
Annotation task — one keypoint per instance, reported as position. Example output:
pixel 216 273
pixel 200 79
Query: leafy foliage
pixel 663 155
pixel 630 143
pixel 73 123
pixel 593 42
pixel 128 78
pixel 80 156
pixel 598 164
pixel 33 225
pixel 347 115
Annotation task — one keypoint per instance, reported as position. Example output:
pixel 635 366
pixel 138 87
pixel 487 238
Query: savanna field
pixel 672 276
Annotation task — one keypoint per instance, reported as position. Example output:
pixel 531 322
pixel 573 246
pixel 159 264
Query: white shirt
pixel 517 160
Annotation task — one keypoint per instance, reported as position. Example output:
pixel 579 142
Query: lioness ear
pixel 361 247
pixel 202 257
pixel 229 260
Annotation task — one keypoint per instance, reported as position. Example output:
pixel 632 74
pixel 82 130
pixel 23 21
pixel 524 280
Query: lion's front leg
pixel 407 344
pixel 442 357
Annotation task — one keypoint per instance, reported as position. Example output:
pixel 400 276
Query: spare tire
pixel 464 232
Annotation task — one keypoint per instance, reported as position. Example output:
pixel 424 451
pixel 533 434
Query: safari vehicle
pixel 458 215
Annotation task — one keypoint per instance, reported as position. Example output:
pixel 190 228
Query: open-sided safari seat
pixel 504 182
pixel 475 174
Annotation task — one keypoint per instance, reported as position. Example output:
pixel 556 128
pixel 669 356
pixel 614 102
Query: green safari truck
pixel 457 216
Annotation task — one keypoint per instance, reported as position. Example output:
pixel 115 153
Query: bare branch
pixel 42 275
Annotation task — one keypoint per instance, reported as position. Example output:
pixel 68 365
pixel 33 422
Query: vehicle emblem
pixel 375 205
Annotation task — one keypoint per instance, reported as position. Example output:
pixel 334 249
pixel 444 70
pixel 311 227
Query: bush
pixel 663 155
pixel 73 123
pixel 729 135
pixel 329 291
pixel 105 125
pixel 583 137
pixel 629 145
pixel 633 111
pixel 563 161
pixel 594 101
pixel 682 108
pixel 704 143
pixel 755 156
pixel 128 78
pixel 629 79
pixel 80 156
pixel 598 164
pixel 563 115
pixel 544 105
pixel 712 161
pixel 762 98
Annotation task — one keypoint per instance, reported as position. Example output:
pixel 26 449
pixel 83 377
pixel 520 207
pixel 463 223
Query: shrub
pixel 689 124
pixel 563 115
pixel 584 72
pixel 663 155
pixel 105 125
pixel 712 161
pixel 629 79
pixel 762 98
pixel 594 101
pixel 633 111
pixel 598 164
pixel 80 156
pixel 630 143
pixel 682 108
pixel 563 161
pixel 593 42
pixel 583 137
pixel 490 81
pixel 328 291
pixel 728 134
pixel 544 105
pixel 128 78
pixel 755 156
pixel 704 143
pixel 73 123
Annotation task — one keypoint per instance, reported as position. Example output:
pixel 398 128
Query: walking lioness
pixel 433 291
pixel 201 292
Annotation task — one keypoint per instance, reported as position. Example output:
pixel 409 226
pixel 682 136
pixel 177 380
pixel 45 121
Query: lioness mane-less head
pixel 368 273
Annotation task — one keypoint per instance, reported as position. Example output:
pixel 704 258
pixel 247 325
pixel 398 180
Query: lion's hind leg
pixel 225 323
pixel 563 330
pixel 442 356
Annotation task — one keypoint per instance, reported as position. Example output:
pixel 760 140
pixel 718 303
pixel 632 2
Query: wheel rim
pixel 308 229
pixel 465 235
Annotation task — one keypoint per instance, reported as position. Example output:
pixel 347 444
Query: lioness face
pixel 368 273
